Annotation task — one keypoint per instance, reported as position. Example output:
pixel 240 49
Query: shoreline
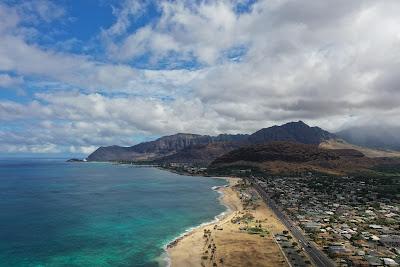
pixel 237 245
pixel 217 218
pixel 165 258
pixel 242 236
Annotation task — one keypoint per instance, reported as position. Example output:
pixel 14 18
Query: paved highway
pixel 316 255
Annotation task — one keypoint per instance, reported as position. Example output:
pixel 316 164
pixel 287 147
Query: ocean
pixel 54 213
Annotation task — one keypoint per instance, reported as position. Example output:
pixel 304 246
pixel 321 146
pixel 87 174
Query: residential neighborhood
pixel 353 220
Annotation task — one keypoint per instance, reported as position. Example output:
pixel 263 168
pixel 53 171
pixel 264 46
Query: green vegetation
pixel 246 218
pixel 257 230
pixel 389 169
pixel 383 186
pixel 236 170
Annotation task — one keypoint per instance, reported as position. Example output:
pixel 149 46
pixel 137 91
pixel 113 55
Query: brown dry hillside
pixel 285 151
pixel 369 152
pixel 294 158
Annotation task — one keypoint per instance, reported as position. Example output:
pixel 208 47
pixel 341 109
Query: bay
pixel 54 213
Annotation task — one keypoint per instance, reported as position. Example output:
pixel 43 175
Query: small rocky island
pixel 76 160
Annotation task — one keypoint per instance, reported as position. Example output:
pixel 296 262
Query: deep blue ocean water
pixel 54 213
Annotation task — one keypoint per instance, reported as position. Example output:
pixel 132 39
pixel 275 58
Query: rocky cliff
pixel 193 148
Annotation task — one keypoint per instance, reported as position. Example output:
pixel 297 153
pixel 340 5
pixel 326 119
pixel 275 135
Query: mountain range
pixel 293 131
pixel 203 149
pixel 167 147
pixel 293 147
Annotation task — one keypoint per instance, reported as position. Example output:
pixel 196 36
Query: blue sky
pixel 75 75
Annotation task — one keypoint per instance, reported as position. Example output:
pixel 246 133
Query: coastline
pixel 230 245
pixel 236 246
pixel 166 257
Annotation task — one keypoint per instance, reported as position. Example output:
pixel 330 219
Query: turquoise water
pixel 54 213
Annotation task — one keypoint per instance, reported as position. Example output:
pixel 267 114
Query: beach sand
pixel 224 240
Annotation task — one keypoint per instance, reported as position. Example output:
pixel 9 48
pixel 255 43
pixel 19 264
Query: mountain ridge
pixel 205 148
pixel 291 131
pixel 161 147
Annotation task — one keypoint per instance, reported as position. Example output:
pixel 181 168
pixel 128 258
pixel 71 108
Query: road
pixel 316 255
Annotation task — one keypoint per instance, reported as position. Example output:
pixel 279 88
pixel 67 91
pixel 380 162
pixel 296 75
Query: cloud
pixel 89 120
pixel 8 81
pixel 204 67
pixel 129 11
pixel 52 67
pixel 185 30
pixel 37 11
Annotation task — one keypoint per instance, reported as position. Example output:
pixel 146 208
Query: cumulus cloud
pixel 8 81
pixel 37 11
pixel 207 67
pixel 184 29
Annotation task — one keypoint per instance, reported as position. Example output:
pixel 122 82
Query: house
pixel 348 236
pixel 374 238
pixel 375 226
pixel 373 261
pixel 389 262
pixel 360 253
pixel 312 227
pixel 390 240
pixel 338 250
pixel 358 261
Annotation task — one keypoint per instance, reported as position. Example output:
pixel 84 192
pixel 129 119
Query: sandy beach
pixel 243 237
